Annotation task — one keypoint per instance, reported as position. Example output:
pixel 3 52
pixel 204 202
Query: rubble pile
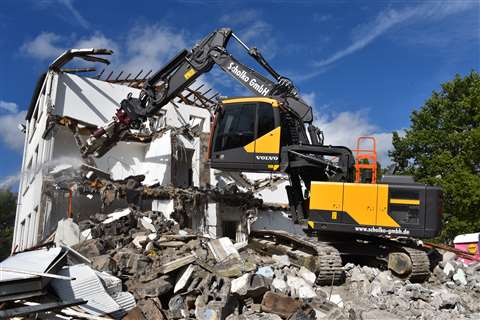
pixel 135 264
pixel 452 292
pixel 174 274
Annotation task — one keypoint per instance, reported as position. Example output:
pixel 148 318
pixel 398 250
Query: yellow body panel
pixel 366 204
pixel 383 219
pixel 326 196
pixel 268 143
pixel 271 101
pixel 405 201
pixel 360 201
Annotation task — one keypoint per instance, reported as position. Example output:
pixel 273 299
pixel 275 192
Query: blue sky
pixel 363 65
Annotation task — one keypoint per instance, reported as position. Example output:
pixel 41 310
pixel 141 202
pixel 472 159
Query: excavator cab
pixel 246 135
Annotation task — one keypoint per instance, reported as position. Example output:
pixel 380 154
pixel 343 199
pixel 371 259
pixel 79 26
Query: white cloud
pixel 9 120
pixel 9 133
pixel 54 7
pixel 75 13
pixel 9 181
pixel 386 20
pixel 97 40
pixel 309 98
pixel 49 45
pixel 8 106
pixel 253 30
pixel 148 47
pixel 344 128
pixel 44 46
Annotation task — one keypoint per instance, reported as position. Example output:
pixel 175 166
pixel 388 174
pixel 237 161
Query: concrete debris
pixel 173 273
pixel 282 260
pixel 299 288
pixel 449 269
pixel 337 299
pixel 451 292
pixel 68 233
pixel 184 278
pixel 223 249
pixel 307 275
pixel 117 215
pixel 459 277
pixel 280 304
pixel 266 272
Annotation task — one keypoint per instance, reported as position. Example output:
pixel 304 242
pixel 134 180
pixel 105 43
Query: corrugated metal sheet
pixel 86 286
pixel 36 261
pixel 126 300
pixel 15 285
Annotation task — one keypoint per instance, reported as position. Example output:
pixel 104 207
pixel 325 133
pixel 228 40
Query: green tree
pixel 8 204
pixel 442 147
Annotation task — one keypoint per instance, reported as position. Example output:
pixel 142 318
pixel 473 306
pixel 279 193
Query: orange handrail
pixel 370 155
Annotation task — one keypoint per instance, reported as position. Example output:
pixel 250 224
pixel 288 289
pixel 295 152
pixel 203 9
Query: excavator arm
pixel 180 72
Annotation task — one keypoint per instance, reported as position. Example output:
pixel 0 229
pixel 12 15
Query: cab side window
pixel 266 120
pixel 236 126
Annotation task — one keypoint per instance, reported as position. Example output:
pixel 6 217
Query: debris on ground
pixel 143 266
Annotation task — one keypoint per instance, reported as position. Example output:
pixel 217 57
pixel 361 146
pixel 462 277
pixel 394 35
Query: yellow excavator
pixel 272 131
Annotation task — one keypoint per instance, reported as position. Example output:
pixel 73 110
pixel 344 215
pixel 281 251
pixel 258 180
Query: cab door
pixel 234 129
pixel 267 144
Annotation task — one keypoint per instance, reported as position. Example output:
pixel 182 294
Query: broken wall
pixel 93 102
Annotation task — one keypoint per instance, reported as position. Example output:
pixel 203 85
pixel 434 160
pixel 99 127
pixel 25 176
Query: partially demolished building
pixel 167 150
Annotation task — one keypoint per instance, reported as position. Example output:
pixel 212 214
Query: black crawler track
pixel 318 256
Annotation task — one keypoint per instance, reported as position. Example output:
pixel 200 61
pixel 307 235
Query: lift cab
pixel 246 135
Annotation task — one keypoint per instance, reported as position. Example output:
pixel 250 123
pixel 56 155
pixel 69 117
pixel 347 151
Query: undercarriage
pixel 325 254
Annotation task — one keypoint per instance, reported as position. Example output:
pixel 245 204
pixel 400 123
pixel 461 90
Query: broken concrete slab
pixel 152 289
pixel 300 288
pixel 151 309
pixel 281 260
pixel 308 275
pixel 176 264
pixel 358 275
pixel 449 256
pixel 223 249
pixel 459 277
pixel 449 269
pixel 104 263
pixel 147 224
pixel 67 233
pixel 266 272
pixel 184 278
pixel 240 284
pixel 90 248
pixel 140 240
pixel 117 215
pixel 279 304
pixel 279 286
pixel 378 314
pixel 337 299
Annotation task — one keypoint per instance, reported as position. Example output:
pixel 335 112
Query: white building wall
pixel 37 152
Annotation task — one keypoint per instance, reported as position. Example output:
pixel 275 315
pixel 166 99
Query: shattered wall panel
pixel 89 100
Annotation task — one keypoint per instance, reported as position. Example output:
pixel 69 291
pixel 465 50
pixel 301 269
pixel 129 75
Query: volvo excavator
pixel 272 131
